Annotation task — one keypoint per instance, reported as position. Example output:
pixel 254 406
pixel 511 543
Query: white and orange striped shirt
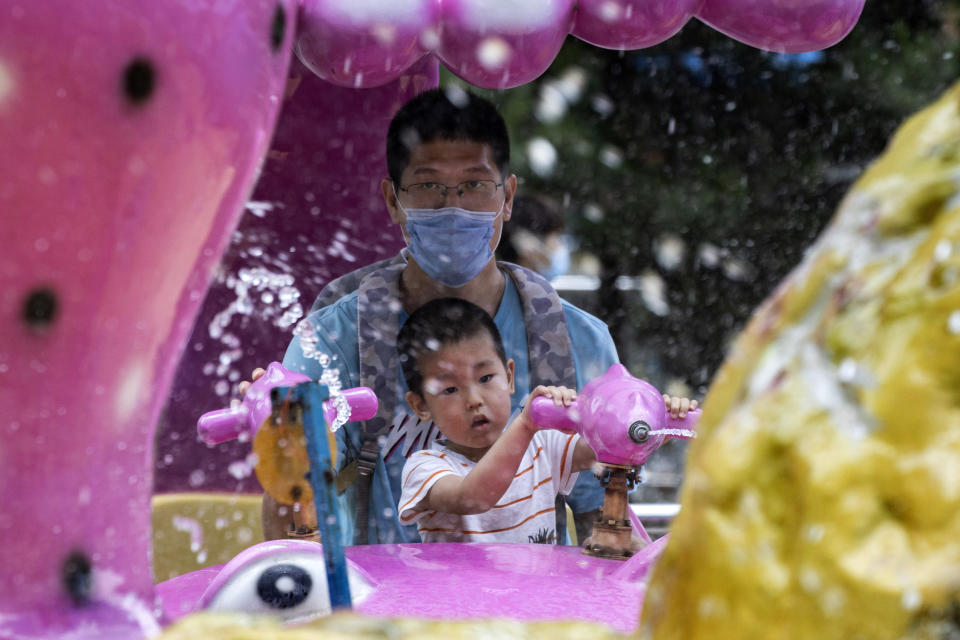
pixel 525 513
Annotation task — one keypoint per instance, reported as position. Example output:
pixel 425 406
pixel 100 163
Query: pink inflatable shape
pixel 448 581
pixel 131 138
pixel 631 24
pixel 498 44
pixel 786 27
pixel 622 418
pixel 364 43
pixel 504 43
pixel 244 420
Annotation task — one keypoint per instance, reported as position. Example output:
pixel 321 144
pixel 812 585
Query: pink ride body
pixel 517 581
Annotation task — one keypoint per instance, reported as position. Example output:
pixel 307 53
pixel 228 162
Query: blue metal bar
pixel 311 396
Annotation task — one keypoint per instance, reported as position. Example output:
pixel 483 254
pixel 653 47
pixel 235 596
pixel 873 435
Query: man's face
pixel 450 162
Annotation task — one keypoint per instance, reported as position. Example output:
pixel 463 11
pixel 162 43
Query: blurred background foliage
pixel 694 174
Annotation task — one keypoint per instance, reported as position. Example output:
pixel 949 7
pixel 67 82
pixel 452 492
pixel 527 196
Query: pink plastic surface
pixel 788 27
pixel 606 409
pixel 631 25
pixel 131 139
pixel 460 581
pixel 244 420
pixel 505 43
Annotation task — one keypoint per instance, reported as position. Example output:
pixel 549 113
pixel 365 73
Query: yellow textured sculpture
pixel 351 626
pixel 822 497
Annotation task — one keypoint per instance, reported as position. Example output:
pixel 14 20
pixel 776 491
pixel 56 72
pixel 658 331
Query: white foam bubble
pixel 493 53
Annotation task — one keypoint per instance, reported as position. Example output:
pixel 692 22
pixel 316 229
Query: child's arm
pixel 486 483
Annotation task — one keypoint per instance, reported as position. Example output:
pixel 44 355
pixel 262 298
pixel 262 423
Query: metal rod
pixel 311 396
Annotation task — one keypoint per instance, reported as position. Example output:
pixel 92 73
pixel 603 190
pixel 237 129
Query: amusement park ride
pixel 133 134
pixel 622 417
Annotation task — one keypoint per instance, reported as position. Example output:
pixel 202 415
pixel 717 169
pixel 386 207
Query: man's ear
pixel 389 194
pixel 418 404
pixel 510 367
pixel 509 190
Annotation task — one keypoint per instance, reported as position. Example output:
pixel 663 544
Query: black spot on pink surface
pixel 77 574
pixel 139 80
pixel 40 308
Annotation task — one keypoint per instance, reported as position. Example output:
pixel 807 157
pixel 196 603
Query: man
pixel 450 191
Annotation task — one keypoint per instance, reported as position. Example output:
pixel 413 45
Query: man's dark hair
pixel 439 323
pixel 446 114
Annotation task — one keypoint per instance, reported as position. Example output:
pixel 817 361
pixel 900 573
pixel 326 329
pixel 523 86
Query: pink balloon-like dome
pixel 503 43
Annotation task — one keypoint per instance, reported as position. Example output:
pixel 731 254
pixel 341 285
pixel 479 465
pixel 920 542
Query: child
pixel 480 482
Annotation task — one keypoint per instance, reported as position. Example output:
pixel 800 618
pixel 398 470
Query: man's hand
pixel 678 407
pixel 243 386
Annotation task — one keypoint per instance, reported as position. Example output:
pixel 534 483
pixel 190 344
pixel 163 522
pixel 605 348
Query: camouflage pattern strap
pixel 350 282
pixel 548 339
pixel 378 319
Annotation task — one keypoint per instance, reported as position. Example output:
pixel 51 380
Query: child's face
pixel 466 392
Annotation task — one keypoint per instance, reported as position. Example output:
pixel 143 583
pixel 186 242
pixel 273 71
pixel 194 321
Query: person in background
pixel 535 237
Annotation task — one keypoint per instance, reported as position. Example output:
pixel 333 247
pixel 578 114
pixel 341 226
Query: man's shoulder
pixel 349 282
pixel 577 317
pixel 343 309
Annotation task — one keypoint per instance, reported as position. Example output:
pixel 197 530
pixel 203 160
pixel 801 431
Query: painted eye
pixel 291 585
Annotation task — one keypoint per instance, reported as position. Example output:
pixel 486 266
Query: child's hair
pixel 450 113
pixel 436 324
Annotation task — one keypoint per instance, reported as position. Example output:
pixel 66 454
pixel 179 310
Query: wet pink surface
pixel 516 581
pixel 457 581
pixel 131 137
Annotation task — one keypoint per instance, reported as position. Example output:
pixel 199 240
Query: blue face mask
pixel 451 245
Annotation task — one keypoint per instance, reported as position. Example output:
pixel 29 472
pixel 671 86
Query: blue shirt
pixel 337 337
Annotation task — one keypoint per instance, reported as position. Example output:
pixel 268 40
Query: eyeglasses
pixel 474 195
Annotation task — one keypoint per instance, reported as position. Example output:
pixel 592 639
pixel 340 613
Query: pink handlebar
pixel 622 418
pixel 223 425
pixel 547 415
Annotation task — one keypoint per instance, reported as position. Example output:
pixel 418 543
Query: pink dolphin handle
pixel 223 425
pixel 622 418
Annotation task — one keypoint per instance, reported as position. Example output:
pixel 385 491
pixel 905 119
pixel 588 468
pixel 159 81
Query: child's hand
pixel 678 407
pixel 561 396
